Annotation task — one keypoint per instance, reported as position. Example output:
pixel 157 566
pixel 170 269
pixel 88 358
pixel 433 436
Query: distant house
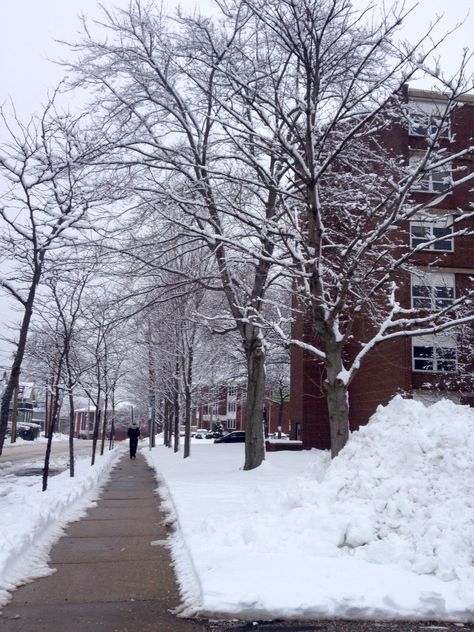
pixel 427 367
pixel 84 420
pixel 29 416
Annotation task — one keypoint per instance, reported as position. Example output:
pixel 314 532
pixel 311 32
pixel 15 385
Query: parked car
pixel 238 436
pixel 27 434
pixel 199 435
pixel 214 435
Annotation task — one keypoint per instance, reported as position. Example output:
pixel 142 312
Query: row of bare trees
pixel 258 133
pixel 78 342
pixel 242 156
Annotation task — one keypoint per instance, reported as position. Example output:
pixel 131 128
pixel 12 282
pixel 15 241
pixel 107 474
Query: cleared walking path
pixel 109 577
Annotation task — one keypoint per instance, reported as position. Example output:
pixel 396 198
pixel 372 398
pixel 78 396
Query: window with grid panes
pixel 424 124
pixel 432 181
pixel 432 291
pixel 424 232
pixel 432 354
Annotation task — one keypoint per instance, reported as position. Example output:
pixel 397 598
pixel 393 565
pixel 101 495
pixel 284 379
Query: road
pixel 27 458
pixel 340 626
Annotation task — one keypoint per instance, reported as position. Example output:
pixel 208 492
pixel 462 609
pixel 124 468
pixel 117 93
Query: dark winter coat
pixel 134 433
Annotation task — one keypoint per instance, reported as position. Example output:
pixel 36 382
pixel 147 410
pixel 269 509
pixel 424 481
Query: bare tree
pixel 262 134
pixel 159 94
pixel 44 201
pixel 67 293
pixel 103 351
pixel 53 345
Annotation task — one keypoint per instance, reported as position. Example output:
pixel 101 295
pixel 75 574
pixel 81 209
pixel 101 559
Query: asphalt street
pixel 338 626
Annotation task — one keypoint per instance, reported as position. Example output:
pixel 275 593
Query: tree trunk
pixel 151 385
pixel 187 423
pixel 167 425
pixel 176 421
pixel 51 403
pixel 254 441
pixel 112 433
pixel 176 407
pixel 47 405
pixel 338 407
pixel 112 423
pixel 71 431
pixel 337 398
pixel 188 380
pixel 95 434
pixel 14 431
pixel 14 378
pixel 47 455
pixel 104 424
pixel 54 416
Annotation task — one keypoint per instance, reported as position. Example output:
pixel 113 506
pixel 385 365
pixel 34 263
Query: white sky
pixel 28 29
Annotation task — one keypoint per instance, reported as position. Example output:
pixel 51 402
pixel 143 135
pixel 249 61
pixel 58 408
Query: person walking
pixel 133 434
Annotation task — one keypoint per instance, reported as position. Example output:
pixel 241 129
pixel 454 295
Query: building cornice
pixel 431 95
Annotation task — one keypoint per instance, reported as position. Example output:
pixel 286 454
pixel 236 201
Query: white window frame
pixel 430 227
pixel 433 181
pixel 425 116
pixel 231 423
pixel 422 124
pixel 432 291
pixel 232 406
pixel 231 392
pixel 441 354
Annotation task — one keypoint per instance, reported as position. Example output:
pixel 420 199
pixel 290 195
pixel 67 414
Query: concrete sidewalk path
pixel 109 577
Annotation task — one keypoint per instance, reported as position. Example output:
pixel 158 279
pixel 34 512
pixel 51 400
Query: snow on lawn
pixel 386 530
pixel 31 520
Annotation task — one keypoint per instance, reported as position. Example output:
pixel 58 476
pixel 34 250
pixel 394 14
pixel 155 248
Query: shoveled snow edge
pixel 28 558
pixel 187 578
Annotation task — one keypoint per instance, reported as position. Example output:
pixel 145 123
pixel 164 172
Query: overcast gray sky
pixel 29 28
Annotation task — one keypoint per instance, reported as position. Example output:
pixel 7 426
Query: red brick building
pixel 425 367
pixel 226 404
pixel 223 403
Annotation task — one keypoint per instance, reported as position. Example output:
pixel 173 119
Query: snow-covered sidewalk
pixel 384 531
pixel 31 521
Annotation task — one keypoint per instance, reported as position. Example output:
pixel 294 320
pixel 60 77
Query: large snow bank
pixel 32 520
pixel 386 530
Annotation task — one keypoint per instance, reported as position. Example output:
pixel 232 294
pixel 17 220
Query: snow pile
pixel 32 520
pixel 386 530
pixel 404 489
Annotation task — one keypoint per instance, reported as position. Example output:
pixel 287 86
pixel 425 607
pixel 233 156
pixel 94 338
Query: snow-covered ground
pixel 32 520
pixel 57 438
pixel 384 531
